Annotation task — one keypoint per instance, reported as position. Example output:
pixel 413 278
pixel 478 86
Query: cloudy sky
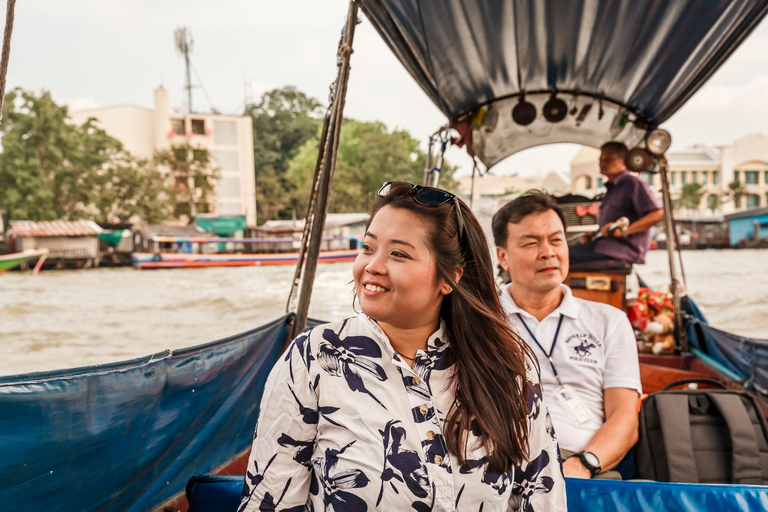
pixel 98 53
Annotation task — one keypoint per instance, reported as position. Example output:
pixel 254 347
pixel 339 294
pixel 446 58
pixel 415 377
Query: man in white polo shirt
pixel 586 350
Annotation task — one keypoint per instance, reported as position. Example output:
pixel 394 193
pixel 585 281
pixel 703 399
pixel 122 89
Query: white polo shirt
pixel 595 350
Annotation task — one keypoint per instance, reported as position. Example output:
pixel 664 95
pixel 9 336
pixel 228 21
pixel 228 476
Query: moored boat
pixel 145 260
pixel 9 261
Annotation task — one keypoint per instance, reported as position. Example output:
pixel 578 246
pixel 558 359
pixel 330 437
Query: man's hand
pixel 586 237
pixel 615 233
pixel 573 468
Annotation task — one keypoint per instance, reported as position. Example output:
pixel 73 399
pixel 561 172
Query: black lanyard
pixel 552 348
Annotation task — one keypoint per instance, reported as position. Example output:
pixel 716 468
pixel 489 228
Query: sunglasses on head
pixel 430 197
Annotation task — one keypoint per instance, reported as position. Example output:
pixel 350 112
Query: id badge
pixel 573 404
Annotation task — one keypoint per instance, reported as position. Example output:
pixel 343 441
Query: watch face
pixel 591 459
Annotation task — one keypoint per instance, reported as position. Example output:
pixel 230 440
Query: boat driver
pixel 586 350
pixel 626 196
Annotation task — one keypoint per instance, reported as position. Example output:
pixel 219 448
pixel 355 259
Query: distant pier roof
pixel 55 228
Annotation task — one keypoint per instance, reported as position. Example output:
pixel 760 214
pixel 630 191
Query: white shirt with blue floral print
pixel 347 425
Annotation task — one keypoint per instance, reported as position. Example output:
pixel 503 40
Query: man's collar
pixel 611 183
pixel 569 306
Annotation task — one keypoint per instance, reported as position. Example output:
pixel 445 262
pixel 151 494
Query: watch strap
pixel 594 470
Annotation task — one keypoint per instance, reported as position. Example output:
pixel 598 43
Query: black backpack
pixel 702 436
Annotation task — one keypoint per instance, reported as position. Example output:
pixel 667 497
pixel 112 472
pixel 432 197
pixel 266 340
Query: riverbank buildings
pixel 714 167
pixel 229 138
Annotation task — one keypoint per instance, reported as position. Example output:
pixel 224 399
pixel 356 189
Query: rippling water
pixel 62 319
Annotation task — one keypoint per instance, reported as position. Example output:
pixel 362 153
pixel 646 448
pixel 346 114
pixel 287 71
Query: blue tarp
pixel 648 57
pixel 632 496
pixel 127 436
pixel 222 494
pixel 745 357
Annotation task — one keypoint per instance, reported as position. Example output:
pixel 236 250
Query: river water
pixel 61 319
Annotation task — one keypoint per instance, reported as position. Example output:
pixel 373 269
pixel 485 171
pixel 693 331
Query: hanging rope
pixel 6 54
pixel 328 145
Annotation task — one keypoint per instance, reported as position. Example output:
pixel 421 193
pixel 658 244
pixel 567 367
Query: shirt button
pixel 430 434
pixel 416 381
pixel 424 410
pixel 438 460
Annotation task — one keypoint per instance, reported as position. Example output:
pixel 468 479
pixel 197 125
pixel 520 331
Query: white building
pixel 229 139
pixel 713 167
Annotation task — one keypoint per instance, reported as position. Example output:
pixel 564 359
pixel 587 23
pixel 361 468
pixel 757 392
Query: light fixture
pixel 638 160
pixel 524 112
pixel 658 141
pixel 555 109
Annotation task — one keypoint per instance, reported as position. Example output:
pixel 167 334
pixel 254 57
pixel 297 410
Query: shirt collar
pixel 437 341
pixel 615 181
pixel 569 306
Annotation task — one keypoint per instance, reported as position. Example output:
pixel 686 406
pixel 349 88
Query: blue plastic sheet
pixel 127 436
pixel 633 496
pixel 745 357
pixel 222 494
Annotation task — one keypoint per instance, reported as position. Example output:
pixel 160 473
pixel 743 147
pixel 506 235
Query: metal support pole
pixel 428 163
pixel 669 227
pixel 326 174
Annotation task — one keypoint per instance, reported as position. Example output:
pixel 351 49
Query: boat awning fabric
pixel 127 436
pixel 222 226
pixel 745 358
pixel 645 59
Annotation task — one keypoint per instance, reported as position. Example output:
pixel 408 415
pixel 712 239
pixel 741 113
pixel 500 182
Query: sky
pixel 91 53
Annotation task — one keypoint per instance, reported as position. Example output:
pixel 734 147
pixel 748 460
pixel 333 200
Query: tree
pixel 368 155
pixel 690 197
pixel 283 120
pixel 736 190
pixel 47 165
pixel 129 187
pixel 192 177
pixel 713 202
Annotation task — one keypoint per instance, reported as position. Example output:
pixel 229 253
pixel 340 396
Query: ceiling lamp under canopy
pixel 622 67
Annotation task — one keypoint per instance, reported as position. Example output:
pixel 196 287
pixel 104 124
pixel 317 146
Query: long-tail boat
pixel 148 260
pixel 128 436
pixel 9 261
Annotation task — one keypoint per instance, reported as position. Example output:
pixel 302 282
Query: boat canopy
pixel 619 67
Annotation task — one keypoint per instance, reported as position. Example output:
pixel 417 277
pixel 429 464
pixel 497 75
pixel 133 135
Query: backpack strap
pixel 676 432
pixel 746 453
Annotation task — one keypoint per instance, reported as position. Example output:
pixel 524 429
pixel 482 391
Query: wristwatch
pixel 590 461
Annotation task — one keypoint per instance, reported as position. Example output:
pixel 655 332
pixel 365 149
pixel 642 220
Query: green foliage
pixel 192 177
pixel 47 165
pixel 368 155
pixel 127 187
pixel 52 169
pixel 713 202
pixel 283 120
pixel 736 190
pixel 690 196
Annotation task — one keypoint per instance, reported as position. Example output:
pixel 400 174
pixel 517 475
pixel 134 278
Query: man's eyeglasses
pixel 430 197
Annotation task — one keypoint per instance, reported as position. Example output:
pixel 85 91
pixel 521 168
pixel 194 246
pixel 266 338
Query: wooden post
pixel 323 190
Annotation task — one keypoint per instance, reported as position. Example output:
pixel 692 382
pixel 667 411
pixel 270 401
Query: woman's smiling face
pixel 395 273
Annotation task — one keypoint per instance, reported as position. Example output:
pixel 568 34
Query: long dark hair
pixel 489 357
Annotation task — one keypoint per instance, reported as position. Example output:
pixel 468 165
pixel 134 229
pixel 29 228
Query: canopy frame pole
pixel 323 186
pixel 669 227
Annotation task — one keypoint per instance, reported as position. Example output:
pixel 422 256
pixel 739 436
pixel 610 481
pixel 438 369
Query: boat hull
pixel 9 261
pixel 146 261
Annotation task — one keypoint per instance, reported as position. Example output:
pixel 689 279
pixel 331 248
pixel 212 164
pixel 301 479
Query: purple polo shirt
pixel 626 196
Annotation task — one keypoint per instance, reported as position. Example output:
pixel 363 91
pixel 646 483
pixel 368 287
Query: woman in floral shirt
pixel 427 400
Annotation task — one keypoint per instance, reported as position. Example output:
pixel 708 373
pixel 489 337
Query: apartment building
pixel 229 138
